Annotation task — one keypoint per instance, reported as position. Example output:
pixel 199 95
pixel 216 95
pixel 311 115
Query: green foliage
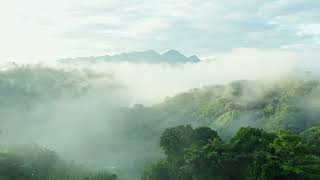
pixel 312 137
pixel 31 162
pixel 273 106
pixel 288 157
pixel 204 135
pixel 157 171
pixel 211 161
pixel 175 140
pixel 251 154
pixel 249 140
pixel 285 105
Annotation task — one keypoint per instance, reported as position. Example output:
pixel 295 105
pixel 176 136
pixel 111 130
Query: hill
pixel 286 104
pixel 79 114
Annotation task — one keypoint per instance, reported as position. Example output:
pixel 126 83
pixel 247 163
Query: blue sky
pixel 43 29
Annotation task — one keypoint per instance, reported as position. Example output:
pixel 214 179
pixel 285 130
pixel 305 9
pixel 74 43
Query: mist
pixel 80 110
pixel 162 80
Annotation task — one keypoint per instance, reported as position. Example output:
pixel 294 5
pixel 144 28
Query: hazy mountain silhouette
pixel 150 56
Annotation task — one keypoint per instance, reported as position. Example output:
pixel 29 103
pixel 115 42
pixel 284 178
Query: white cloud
pixel 44 29
pixel 309 29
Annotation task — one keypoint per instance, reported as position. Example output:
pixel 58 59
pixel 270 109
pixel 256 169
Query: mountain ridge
pixel 148 56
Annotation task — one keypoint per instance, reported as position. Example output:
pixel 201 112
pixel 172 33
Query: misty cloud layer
pixel 57 108
pixel 149 84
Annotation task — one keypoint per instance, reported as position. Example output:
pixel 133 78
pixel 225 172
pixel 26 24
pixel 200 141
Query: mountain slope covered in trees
pixel 289 105
pixel 84 117
pixel 281 105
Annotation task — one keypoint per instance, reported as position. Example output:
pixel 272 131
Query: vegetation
pixel 200 154
pixel 31 162
pixel 282 105
pixel 78 114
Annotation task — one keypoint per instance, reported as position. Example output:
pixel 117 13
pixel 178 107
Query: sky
pixel 42 30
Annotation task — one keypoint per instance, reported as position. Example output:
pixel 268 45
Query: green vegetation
pixel 31 162
pixel 78 114
pixel 200 154
pixel 281 105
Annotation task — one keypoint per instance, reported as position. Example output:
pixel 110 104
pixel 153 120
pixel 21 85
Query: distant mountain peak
pixel 194 58
pixel 151 51
pixel 148 56
pixel 172 51
pixel 176 56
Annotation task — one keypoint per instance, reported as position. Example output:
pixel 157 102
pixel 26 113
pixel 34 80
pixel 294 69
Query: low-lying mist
pixel 61 109
pixel 151 83
pixel 79 111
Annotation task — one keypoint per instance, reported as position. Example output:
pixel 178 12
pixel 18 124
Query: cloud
pixel 148 84
pixel 310 29
pixel 97 27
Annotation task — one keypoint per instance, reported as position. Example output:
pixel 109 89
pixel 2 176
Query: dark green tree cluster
pixel 200 154
pixel 31 162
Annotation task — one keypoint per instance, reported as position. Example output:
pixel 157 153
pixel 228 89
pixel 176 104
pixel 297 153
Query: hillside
pixel 284 104
pixel 83 116
pixel 273 106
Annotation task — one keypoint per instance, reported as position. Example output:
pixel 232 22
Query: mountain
pixel 105 135
pixel 283 105
pixel 150 56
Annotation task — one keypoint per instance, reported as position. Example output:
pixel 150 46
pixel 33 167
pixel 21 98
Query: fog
pixel 76 110
pixel 162 80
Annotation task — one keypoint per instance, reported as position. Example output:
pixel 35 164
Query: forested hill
pixel 246 152
pixel 81 116
pixel 287 104
pixel 275 105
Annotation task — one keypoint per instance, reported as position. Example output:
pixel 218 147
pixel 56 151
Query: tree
pixel 209 161
pixel 248 140
pixel 157 171
pixel 288 157
pixel 175 140
pixel 312 137
pixel 204 135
